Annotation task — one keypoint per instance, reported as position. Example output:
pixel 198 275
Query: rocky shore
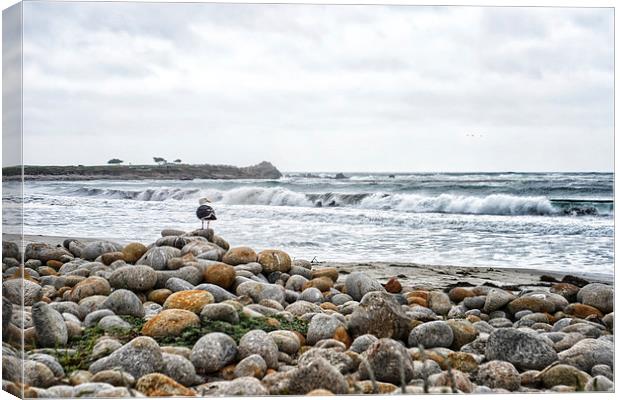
pixel 189 315
pixel 263 170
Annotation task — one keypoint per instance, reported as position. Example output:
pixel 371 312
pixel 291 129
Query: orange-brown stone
pixel 191 300
pixel 393 285
pixel 160 385
pixel 170 322
pixel 341 335
pixel 458 294
pixel 322 283
pixel 330 272
pixel 54 264
pixel 582 310
pixel 133 251
pixel 159 296
pixel 220 274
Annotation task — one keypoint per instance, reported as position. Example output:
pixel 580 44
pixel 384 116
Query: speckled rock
pixel 287 341
pixel 323 326
pixel 244 386
pixel 158 257
pixel 139 357
pixel 431 334
pixel 525 350
pixel 124 302
pixel 258 291
pixel 133 252
pixel 463 332
pixel 496 299
pixel 252 365
pixel 114 378
pixel 380 315
pixel 213 352
pixel 219 312
pixel 597 295
pixel 12 290
pixel 259 342
pixel 95 249
pixel 318 374
pixel 180 369
pixel 137 277
pixel 460 380
pixel 49 325
pixel 499 374
pixel 387 358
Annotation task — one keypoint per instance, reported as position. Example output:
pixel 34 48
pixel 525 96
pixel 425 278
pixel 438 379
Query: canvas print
pixel 204 199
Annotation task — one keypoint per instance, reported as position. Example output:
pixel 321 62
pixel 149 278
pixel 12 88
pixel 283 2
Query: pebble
pixel 160 385
pixel 587 353
pixel 287 341
pixel 597 295
pixel 191 300
pixel 180 369
pixel 253 366
pixel 499 374
pixel 323 326
pixel 380 315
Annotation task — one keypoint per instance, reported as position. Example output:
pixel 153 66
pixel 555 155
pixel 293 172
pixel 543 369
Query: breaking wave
pixel 494 204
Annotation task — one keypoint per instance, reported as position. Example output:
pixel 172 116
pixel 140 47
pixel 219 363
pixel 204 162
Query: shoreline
pixel 435 276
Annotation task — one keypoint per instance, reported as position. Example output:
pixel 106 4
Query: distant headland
pixel 263 170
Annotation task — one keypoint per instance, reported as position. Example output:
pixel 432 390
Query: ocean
pixel 549 221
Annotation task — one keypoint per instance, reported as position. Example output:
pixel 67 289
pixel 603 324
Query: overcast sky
pixel 320 88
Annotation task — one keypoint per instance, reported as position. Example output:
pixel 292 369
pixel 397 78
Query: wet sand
pixel 413 274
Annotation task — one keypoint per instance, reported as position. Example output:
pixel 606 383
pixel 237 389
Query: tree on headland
pixel 115 161
pixel 178 161
pixel 160 160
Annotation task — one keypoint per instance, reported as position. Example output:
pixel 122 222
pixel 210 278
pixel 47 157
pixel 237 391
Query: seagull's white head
pixel 203 201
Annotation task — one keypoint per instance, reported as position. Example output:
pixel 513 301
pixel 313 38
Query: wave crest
pixel 494 204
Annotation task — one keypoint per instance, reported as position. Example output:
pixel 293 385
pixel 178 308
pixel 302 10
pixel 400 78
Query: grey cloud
pixel 319 87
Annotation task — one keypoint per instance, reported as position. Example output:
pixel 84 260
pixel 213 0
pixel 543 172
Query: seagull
pixel 205 212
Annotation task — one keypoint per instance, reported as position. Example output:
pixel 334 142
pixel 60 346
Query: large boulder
pixel 380 315
pixel 525 350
